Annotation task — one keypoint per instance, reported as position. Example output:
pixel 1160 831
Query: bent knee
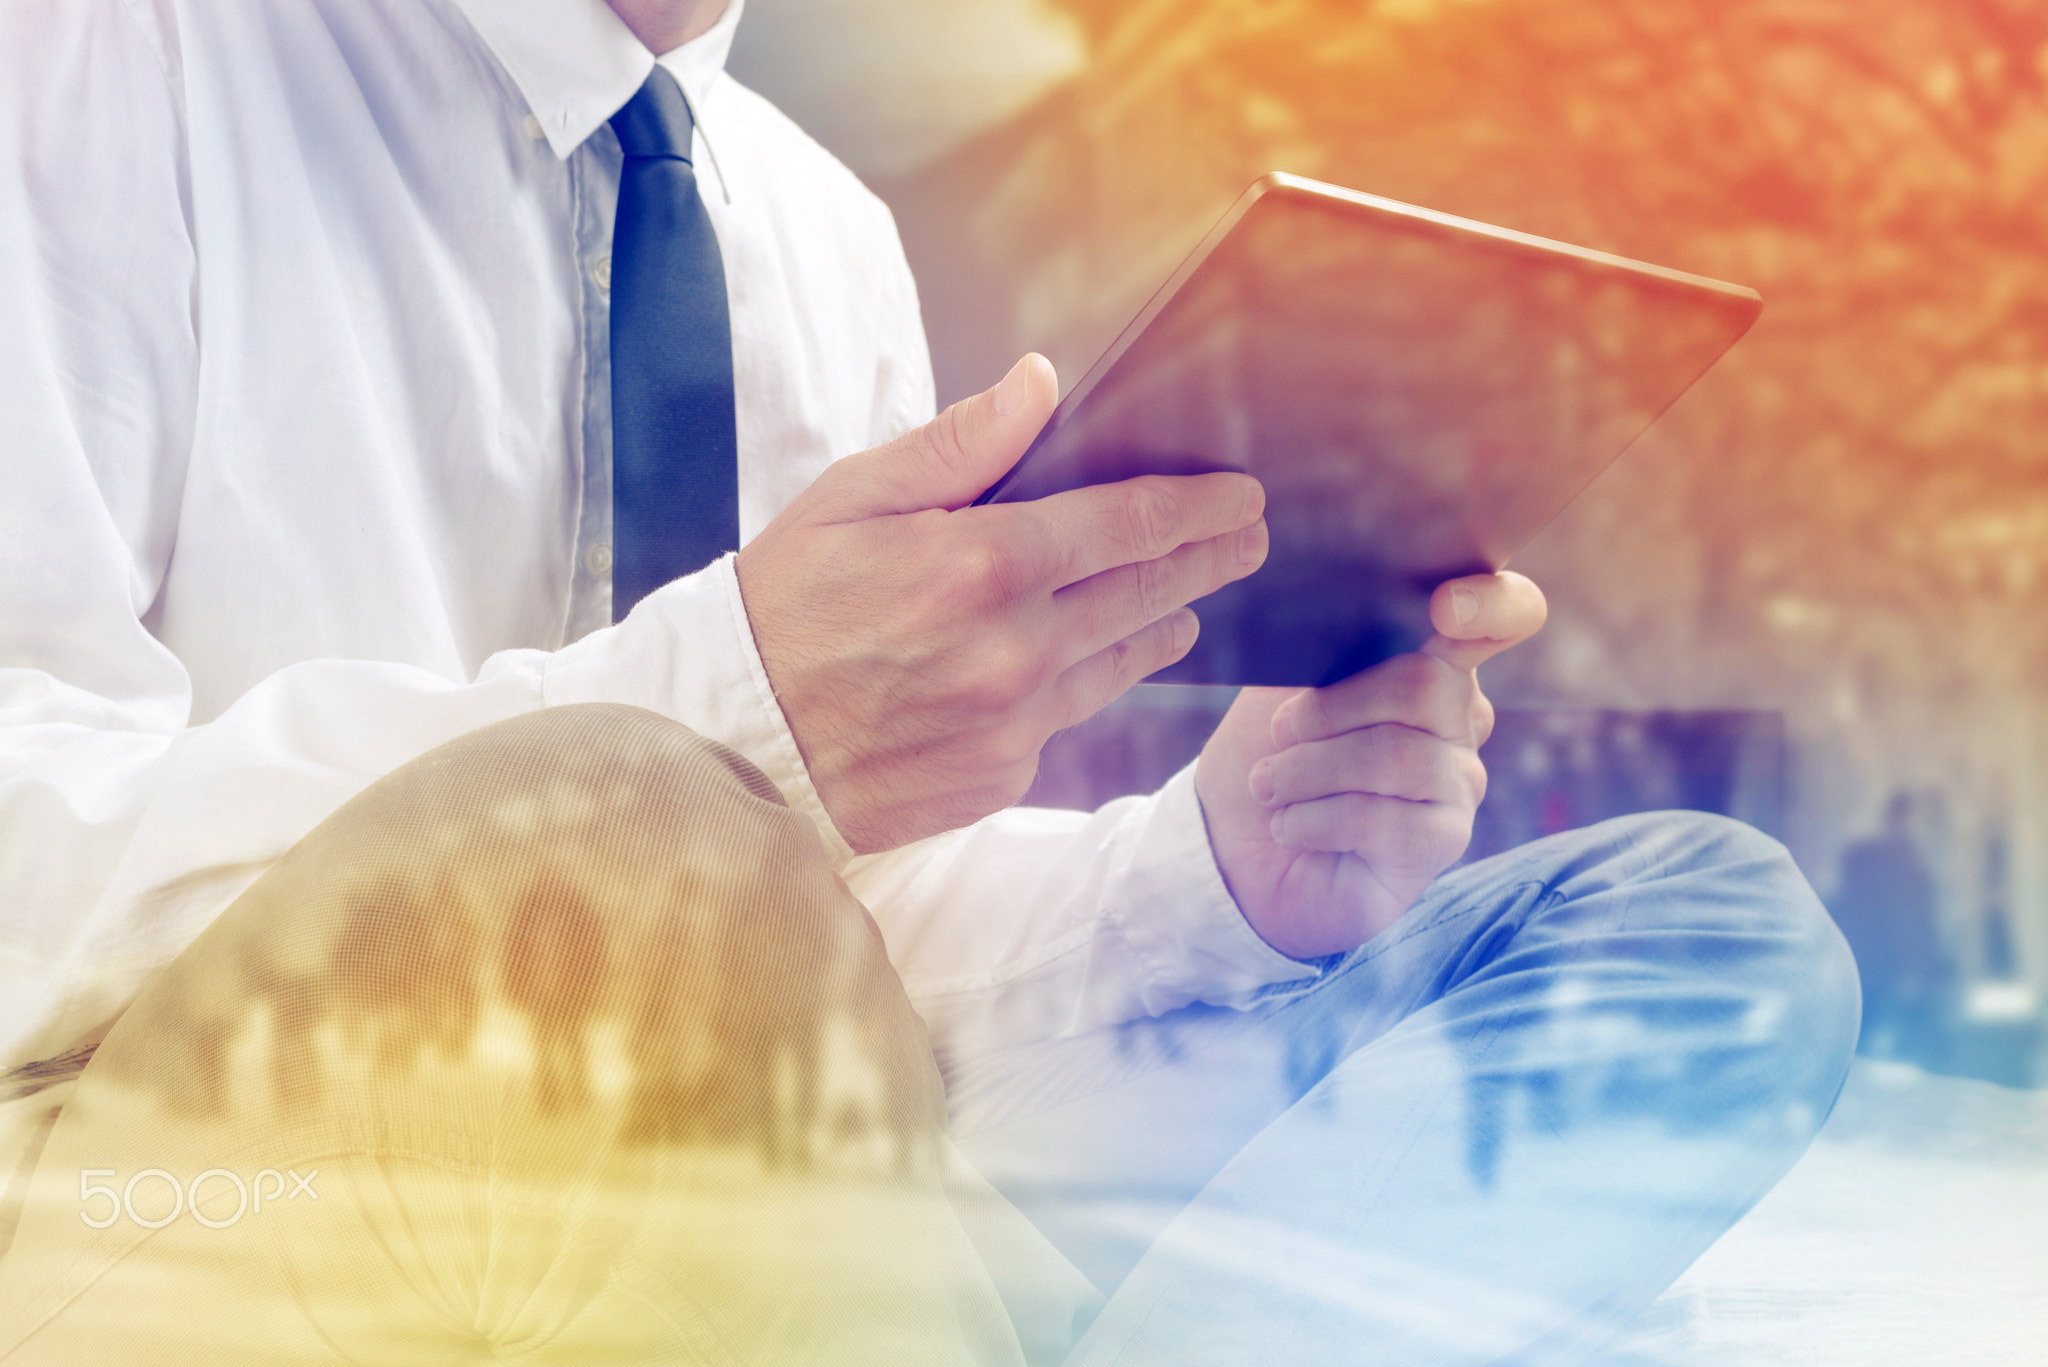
pixel 586 842
pixel 590 765
pixel 590 884
pixel 1737 881
pixel 1721 912
pixel 1656 842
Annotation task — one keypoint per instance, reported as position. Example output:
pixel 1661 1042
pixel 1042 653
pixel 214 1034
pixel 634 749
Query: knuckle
pixel 1155 581
pixel 1126 664
pixel 1149 515
pixel 1152 652
pixel 1140 654
pixel 1341 824
pixel 984 572
pixel 1474 773
pixel 1031 670
pixel 1307 824
pixel 1308 716
pixel 1482 718
pixel 1002 675
pixel 1407 680
pixel 945 439
pixel 1417 757
pixel 1425 687
pixel 1417 700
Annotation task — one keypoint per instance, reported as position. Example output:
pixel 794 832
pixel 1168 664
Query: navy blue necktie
pixel 675 458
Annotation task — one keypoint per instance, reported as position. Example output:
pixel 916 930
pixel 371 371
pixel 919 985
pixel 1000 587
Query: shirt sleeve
pixel 124 829
pixel 1035 924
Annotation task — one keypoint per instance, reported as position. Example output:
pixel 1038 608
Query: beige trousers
pixel 562 1043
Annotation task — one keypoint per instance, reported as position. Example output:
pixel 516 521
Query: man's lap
pixel 1432 1083
pixel 585 1056
pixel 1513 1071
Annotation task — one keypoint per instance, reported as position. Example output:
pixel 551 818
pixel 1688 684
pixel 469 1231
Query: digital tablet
pixel 1418 393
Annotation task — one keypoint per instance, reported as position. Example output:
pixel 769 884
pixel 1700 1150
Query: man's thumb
pixel 949 461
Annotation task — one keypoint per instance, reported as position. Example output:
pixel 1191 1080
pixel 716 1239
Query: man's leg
pixel 561 1043
pixel 1491 1135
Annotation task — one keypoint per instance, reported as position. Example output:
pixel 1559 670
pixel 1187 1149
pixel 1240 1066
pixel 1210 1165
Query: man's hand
pixel 923 650
pixel 1331 809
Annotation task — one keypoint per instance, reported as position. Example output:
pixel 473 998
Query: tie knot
pixel 656 122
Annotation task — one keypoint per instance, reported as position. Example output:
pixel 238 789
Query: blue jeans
pixel 1493 1134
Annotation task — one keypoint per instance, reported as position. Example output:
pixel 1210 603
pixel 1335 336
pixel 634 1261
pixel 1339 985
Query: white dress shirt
pixel 304 469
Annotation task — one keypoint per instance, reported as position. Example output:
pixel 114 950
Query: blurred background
pixel 1812 595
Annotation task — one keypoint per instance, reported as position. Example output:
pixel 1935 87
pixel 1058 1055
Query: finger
pixel 1099 680
pixel 1102 610
pixel 1395 836
pixel 1482 718
pixel 1390 761
pixel 1480 615
pixel 951 460
pixel 1087 531
pixel 1409 690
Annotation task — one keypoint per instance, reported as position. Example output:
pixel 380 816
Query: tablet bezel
pixel 1412 216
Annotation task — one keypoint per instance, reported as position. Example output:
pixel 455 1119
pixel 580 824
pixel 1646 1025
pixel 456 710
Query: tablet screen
pixel 1419 395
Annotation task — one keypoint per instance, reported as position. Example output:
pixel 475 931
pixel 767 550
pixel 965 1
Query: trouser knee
pixel 1673 965
pixel 578 1047
pixel 586 911
pixel 1718 903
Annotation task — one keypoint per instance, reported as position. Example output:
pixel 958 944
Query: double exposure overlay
pixel 412 952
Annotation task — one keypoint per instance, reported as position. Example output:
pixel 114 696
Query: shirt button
pixel 533 128
pixel 598 559
pixel 601 272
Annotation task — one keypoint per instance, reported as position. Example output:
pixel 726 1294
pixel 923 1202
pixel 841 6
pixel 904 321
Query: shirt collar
pixel 576 62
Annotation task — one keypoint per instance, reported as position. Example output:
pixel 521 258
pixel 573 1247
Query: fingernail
pixel 1254 500
pixel 1184 628
pixel 1252 544
pixel 1010 392
pixel 1262 781
pixel 1464 606
pixel 1284 732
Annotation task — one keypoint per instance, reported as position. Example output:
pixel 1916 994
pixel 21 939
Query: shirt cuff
pixel 1179 918
pixel 687 651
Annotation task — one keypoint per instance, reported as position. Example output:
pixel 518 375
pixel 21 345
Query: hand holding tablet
pixel 1419 394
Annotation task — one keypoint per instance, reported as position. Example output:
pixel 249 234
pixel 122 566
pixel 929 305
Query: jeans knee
pixel 1764 932
pixel 1722 948
pixel 1656 842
